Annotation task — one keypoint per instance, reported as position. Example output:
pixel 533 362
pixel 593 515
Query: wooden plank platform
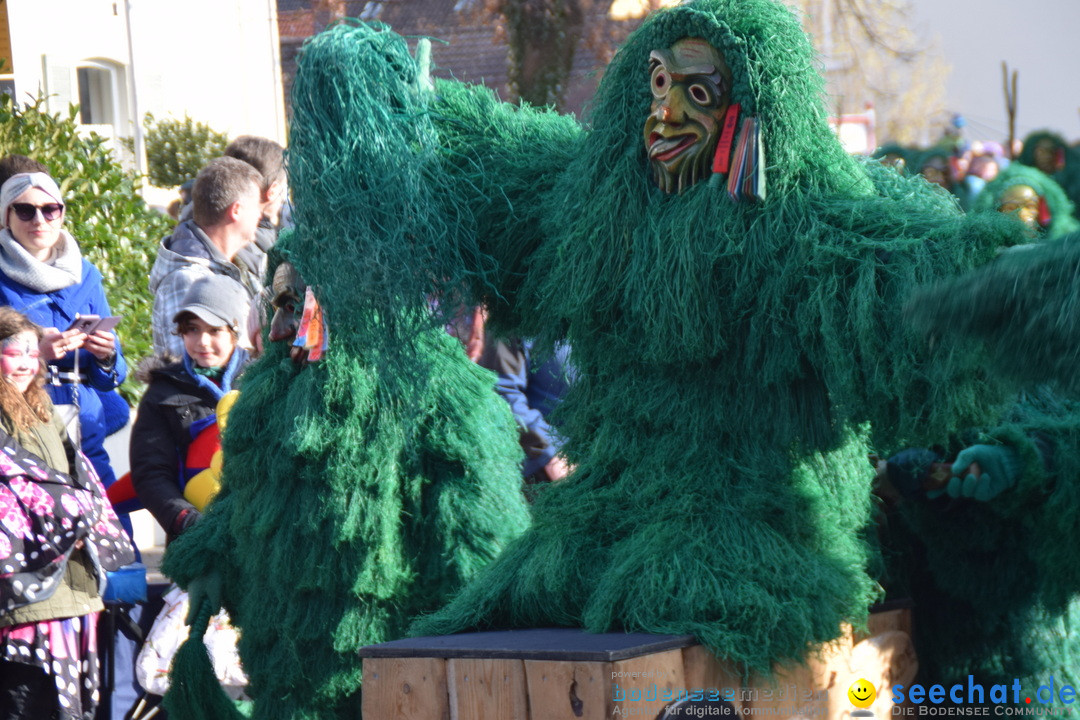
pixel 568 674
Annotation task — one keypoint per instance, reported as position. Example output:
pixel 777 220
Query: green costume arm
pixel 1044 430
pixel 205 547
pixel 434 193
pixel 1029 529
pixel 1022 307
pixel 1004 565
pixel 505 160
pixel 851 330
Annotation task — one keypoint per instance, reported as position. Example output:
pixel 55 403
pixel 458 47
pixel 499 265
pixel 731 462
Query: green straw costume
pixel 736 360
pixel 1062 218
pixel 365 488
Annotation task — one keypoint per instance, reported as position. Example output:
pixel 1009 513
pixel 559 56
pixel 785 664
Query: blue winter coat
pixel 58 309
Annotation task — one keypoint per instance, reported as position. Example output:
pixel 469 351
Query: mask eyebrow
pixel 696 70
pixel 659 57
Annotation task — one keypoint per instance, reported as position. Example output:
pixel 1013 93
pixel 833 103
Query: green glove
pixel 204 596
pixel 1000 467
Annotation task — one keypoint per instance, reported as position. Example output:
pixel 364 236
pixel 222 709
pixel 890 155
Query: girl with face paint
pixel 23 402
pixel 58 535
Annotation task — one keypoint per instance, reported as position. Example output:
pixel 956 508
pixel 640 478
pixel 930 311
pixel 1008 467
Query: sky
pixel 1039 38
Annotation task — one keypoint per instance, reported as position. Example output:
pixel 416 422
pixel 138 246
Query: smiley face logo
pixel 862 693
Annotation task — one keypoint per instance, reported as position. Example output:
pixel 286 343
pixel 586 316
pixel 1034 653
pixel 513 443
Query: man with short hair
pixel 268 157
pixel 227 208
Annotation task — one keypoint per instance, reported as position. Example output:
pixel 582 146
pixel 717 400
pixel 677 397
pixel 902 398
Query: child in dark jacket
pixel 179 406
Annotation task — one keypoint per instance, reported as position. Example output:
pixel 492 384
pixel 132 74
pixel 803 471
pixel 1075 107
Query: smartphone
pixel 106 324
pixel 92 323
pixel 84 323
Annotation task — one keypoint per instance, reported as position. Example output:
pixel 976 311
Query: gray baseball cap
pixel 217 300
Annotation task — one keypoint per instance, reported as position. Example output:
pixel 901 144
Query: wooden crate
pixel 563 674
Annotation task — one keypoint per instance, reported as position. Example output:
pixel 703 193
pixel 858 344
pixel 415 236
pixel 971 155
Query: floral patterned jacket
pixel 43 515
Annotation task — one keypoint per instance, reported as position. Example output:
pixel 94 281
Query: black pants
pixel 26 693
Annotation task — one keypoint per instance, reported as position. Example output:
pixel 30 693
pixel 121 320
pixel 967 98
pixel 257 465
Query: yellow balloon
pixel 216 461
pixel 224 406
pixel 862 693
pixel 202 488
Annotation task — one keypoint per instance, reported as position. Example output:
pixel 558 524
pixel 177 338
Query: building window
pixel 97 95
pixel 371 10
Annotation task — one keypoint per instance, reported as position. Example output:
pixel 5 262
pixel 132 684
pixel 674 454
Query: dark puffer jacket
pixel 175 399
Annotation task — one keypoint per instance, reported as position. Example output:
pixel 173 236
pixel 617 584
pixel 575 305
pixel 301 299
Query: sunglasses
pixel 26 212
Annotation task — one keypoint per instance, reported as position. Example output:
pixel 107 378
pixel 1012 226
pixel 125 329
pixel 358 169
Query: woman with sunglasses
pixel 43 274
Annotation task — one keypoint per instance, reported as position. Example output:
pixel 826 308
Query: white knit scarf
pixel 63 269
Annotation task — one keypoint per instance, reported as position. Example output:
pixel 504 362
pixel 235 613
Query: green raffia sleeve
pixel 913 389
pixel 1005 566
pixel 1022 307
pixel 1044 429
pixel 204 548
pixel 504 159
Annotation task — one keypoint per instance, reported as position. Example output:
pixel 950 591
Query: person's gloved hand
pixel 204 596
pixel 185 519
pixel 909 470
pixel 983 472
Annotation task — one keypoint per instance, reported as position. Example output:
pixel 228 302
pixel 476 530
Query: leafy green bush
pixel 115 229
pixel 177 149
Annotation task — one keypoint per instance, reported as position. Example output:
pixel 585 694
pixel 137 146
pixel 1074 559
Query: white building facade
pixel 217 61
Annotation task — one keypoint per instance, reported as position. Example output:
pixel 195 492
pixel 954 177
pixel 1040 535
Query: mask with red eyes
pixel 691 87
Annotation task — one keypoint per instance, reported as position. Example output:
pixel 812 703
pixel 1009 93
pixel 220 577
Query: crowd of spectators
pixel 60 353
pixel 1038 179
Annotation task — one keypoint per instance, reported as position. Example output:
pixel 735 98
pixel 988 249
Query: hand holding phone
pixel 97 338
pixel 56 344
pixel 101 344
